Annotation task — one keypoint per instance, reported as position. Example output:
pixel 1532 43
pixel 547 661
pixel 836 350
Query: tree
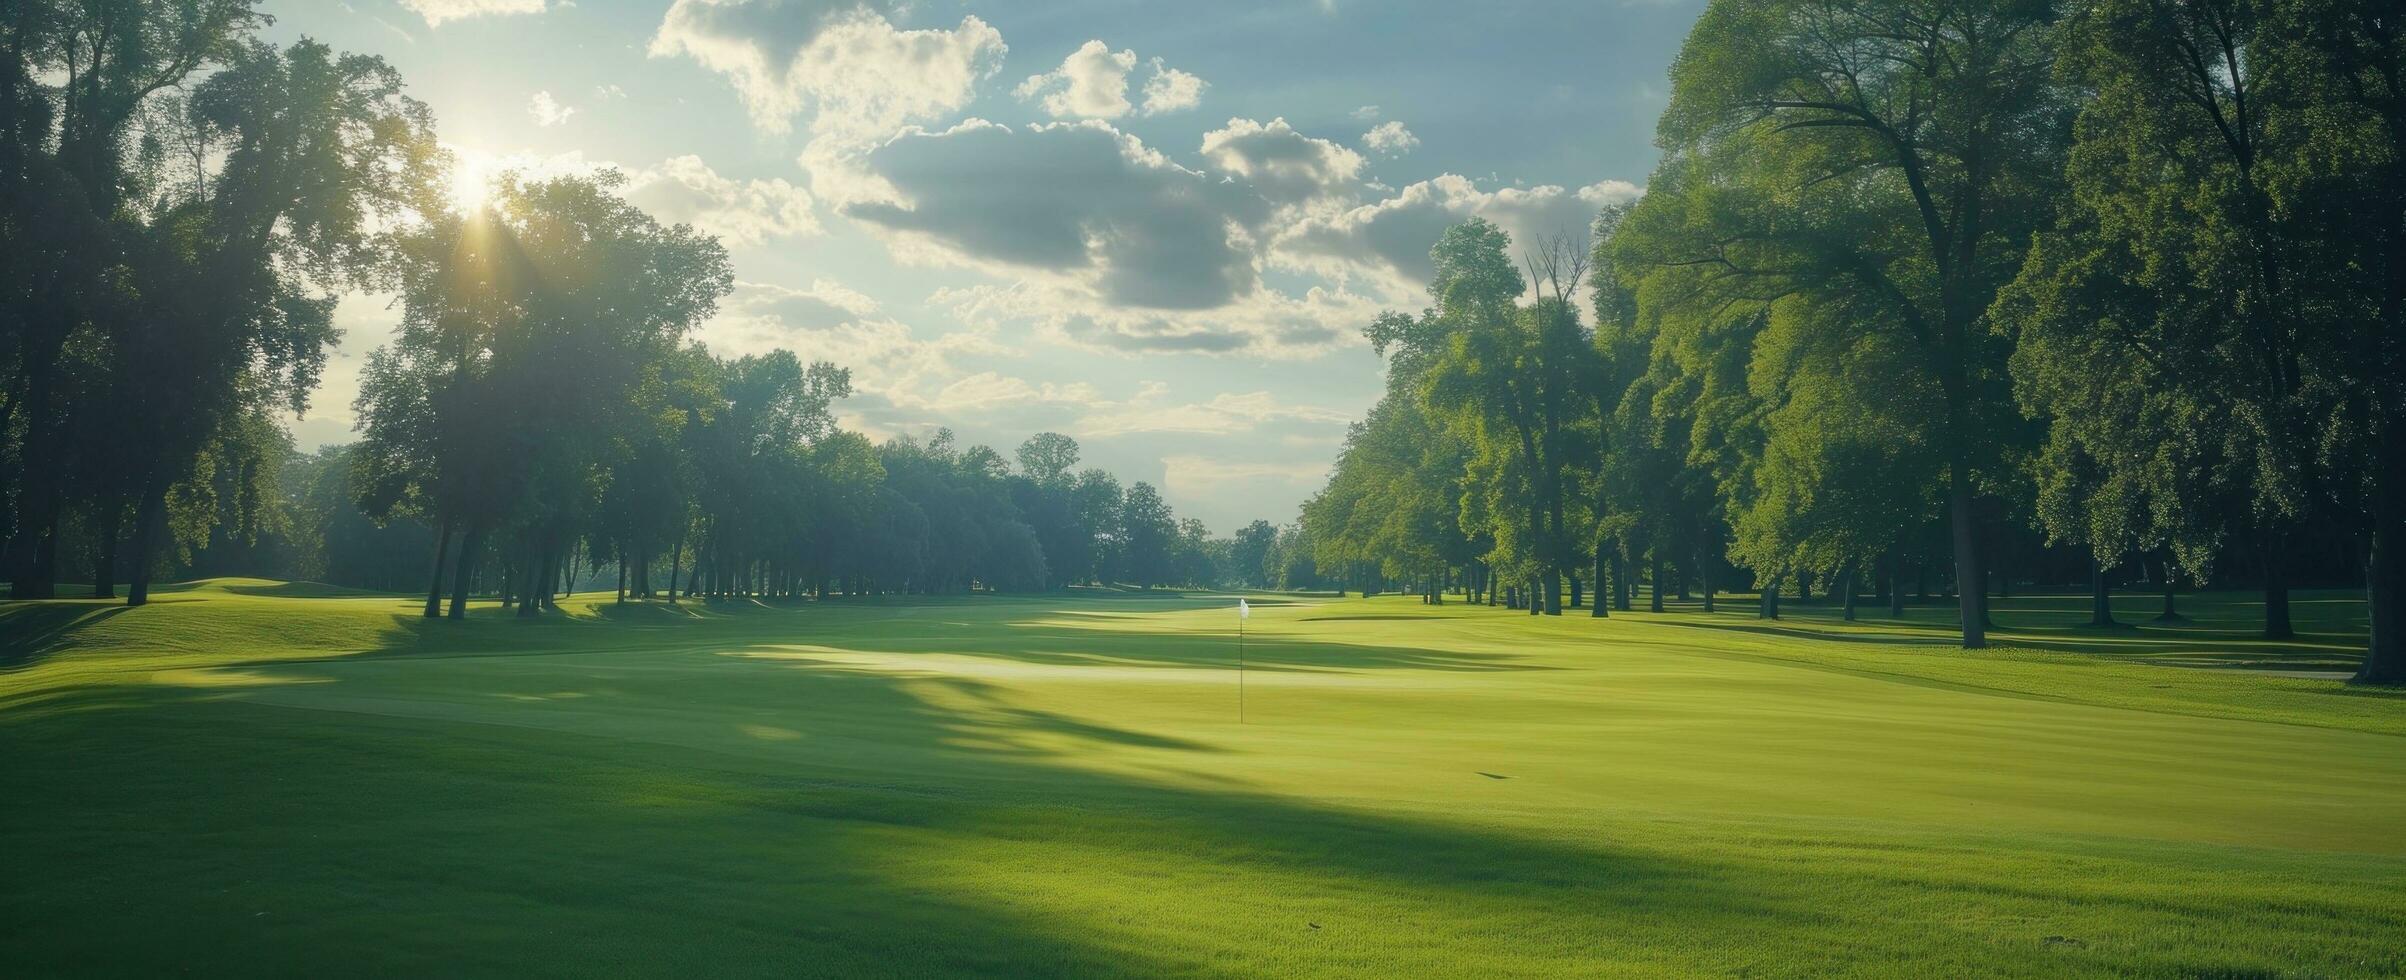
pixel 1510 382
pixel 1250 555
pixel 315 149
pixel 1882 161
pixel 1148 533
pixel 2158 320
pixel 2333 95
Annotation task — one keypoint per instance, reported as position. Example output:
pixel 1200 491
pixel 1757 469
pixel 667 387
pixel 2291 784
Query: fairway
pixel 249 777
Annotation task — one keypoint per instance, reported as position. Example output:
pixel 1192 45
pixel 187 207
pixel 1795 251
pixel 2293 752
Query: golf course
pixel 248 777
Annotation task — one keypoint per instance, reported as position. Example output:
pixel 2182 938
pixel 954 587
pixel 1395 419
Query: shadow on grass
pixel 31 632
pixel 2219 630
pixel 941 847
pixel 799 815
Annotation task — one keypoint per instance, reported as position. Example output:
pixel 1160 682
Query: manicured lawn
pixel 252 778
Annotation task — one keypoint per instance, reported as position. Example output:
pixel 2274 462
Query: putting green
pixel 254 777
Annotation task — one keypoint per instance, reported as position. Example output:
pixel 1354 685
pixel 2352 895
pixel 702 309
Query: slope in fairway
pixel 239 778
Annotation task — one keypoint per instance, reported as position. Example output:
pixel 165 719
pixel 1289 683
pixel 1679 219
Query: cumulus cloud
pixel 741 212
pixel 1392 236
pixel 1390 138
pixel 893 366
pixel 548 111
pixel 861 76
pixel 1092 83
pixel 1111 245
pixel 677 190
pixel 437 11
pixel 1285 166
pixel 1169 90
pixel 1078 198
pixel 1266 323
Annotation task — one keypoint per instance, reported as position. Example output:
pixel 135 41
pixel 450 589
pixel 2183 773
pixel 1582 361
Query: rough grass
pixel 246 778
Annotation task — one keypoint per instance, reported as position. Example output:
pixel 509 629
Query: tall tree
pixel 1885 158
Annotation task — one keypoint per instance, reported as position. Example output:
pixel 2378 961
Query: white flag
pixel 1243 611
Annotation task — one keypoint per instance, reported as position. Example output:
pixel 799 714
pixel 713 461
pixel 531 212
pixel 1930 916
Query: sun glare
pixel 471 182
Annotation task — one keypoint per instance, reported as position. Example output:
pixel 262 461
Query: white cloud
pixel 548 111
pixel 677 190
pixel 1284 165
pixel 1109 244
pixel 860 76
pixel 1193 477
pixel 901 377
pixel 1092 83
pixel 987 391
pixel 605 93
pixel 741 212
pixel 1267 323
pixel 1368 113
pixel 1170 90
pixel 1077 199
pixel 1224 414
pixel 437 11
pixel 1390 138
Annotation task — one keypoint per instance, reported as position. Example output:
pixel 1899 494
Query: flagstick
pixel 1240 670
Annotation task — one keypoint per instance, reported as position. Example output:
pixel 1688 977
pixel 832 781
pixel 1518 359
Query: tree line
pixel 183 203
pixel 1991 292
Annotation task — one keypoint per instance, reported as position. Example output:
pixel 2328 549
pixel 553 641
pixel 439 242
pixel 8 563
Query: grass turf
pixel 250 777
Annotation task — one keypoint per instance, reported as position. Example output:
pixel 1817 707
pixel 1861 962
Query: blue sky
pixel 1158 227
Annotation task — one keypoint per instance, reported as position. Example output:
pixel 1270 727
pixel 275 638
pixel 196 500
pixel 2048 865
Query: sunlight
pixel 471 180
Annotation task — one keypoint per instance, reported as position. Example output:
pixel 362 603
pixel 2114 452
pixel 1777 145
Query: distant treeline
pixel 182 204
pixel 1986 293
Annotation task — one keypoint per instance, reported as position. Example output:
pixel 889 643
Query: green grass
pixel 247 778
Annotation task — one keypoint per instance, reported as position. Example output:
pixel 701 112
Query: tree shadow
pixel 492 834
pixel 2219 630
pixel 31 632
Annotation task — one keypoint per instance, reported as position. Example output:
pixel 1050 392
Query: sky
pixel 1157 227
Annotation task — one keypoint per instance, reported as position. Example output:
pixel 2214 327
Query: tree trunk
pixel 2276 588
pixel 1704 579
pixel 1551 582
pixel 471 541
pixel 531 584
pixel 676 557
pixel 1769 599
pixel 153 510
pixel 104 568
pixel 1971 604
pixel 2171 613
pixel 2101 598
pixel 1602 607
pixel 1846 586
pixel 1621 589
pixel 38 474
pixel 442 550
pixel 2385 593
pixel 1654 594
pixel 1896 586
